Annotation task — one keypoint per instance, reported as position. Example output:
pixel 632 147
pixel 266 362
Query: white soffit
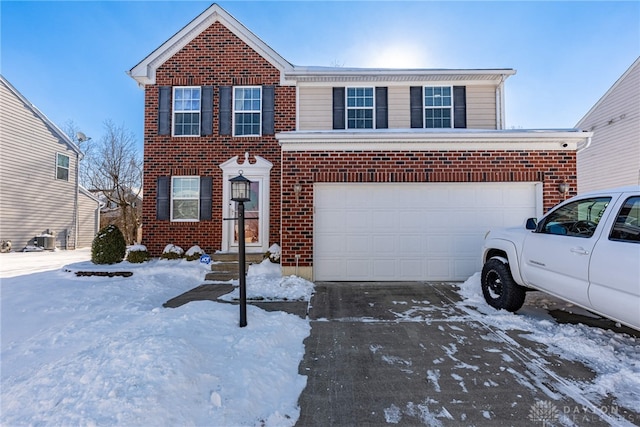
pixel 428 141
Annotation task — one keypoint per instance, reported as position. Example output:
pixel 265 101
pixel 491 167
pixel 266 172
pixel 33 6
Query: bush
pixel 138 254
pixel 194 253
pixel 108 246
pixel 172 252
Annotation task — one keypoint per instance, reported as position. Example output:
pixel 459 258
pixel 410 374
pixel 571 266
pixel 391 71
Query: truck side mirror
pixel 532 224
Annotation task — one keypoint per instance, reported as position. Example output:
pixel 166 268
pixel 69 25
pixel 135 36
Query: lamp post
pixel 240 188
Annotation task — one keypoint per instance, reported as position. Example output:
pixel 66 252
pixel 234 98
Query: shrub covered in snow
pixel 194 253
pixel 273 254
pixel 108 246
pixel 138 254
pixel 172 251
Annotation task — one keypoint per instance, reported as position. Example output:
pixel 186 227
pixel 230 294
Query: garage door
pixel 412 231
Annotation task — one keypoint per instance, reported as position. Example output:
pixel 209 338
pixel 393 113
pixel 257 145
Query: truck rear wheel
pixel 498 287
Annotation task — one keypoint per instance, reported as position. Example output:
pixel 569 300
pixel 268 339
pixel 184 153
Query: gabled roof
pixel 145 72
pixel 635 64
pixel 55 130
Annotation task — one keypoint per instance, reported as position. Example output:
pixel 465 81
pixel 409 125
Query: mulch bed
pixel 105 273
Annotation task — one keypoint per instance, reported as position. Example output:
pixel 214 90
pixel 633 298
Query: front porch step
pixel 224 266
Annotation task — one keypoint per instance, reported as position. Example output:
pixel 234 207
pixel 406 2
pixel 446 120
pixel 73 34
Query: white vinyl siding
pixel 399 105
pixel 613 158
pixel 481 107
pixel 33 200
pixel 315 108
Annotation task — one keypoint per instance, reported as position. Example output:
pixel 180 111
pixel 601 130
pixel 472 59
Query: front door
pixel 256 227
pixel 252 213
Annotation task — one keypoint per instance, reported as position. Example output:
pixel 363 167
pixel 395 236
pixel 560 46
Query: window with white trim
pixel 185 198
pixel 438 107
pixel 247 110
pixel 360 108
pixel 62 167
pixel 186 110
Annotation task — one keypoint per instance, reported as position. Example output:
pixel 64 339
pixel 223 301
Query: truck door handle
pixel 579 251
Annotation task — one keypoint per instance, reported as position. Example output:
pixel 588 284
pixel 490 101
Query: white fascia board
pixel 534 140
pixel 145 71
pixel 319 75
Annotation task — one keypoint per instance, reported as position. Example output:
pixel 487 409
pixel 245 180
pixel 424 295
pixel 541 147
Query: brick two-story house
pixel 358 174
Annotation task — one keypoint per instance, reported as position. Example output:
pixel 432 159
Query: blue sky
pixel 70 58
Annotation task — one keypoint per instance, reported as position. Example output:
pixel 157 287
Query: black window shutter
pixel 268 116
pixel 164 110
pixel 162 198
pixel 459 107
pixel 338 108
pixel 417 107
pixel 382 111
pixel 225 110
pixel 206 189
pixel 206 113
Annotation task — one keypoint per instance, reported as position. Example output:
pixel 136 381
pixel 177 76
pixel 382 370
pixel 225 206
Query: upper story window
pixel 185 198
pixel 62 167
pixel 247 110
pixel 360 108
pixel 438 106
pixel 186 110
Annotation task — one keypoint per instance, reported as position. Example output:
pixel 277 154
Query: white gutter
pixel 585 146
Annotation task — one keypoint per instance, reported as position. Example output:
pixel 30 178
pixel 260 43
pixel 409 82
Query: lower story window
pixel 185 198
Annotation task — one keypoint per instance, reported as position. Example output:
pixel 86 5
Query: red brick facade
pixel 307 168
pixel 216 57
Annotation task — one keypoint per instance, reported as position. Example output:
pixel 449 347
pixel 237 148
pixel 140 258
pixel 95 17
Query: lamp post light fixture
pixel 240 193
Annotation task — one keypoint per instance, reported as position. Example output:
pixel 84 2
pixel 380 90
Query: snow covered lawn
pixel 102 351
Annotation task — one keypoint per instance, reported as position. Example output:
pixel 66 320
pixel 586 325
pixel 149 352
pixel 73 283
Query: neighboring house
pixel 111 213
pixel 39 191
pixel 612 159
pixel 358 174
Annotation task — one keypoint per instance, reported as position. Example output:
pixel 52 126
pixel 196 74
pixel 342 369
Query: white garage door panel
pixel 411 231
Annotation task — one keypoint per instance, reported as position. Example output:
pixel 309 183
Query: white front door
pixel 256 227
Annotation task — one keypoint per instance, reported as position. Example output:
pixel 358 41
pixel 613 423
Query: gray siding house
pixel 612 159
pixel 39 189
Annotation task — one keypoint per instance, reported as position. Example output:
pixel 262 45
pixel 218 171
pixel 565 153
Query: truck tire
pixel 498 287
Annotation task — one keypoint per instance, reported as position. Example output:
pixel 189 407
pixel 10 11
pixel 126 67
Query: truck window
pixel 627 225
pixel 577 219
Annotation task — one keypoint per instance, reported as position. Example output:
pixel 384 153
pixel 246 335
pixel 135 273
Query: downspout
pixel 500 104
pixel 585 146
pixel 76 202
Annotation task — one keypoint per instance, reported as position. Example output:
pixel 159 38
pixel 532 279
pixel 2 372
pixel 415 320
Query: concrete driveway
pixel 407 354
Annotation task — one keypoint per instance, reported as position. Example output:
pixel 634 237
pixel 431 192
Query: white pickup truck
pixel 586 250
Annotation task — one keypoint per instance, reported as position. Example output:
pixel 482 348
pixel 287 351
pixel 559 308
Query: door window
pixel 627 225
pixel 251 216
pixel 577 219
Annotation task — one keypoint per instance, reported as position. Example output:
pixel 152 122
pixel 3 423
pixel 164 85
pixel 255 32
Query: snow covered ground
pixel 103 351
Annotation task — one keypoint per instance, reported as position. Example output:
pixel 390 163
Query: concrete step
pixel 222 276
pixel 253 258
pixel 225 266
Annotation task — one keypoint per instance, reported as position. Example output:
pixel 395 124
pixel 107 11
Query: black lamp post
pixel 240 188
